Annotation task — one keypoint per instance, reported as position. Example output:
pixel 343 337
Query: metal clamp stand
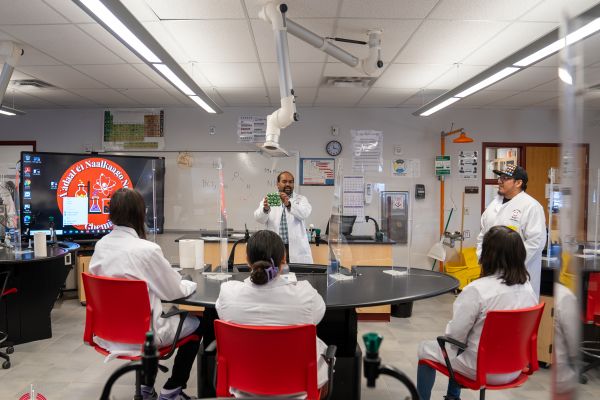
pixel 373 368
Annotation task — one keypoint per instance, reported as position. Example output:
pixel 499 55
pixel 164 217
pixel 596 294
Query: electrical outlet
pixel 467 211
pixel 335 131
pixel 212 130
pixel 466 234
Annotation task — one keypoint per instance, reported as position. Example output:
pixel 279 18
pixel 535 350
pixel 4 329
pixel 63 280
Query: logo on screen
pixel 27 219
pixel 26 158
pixel 36 171
pixel 27 182
pixel 84 192
pixel 27 208
pixel 27 194
pixel 53 185
pixel 27 171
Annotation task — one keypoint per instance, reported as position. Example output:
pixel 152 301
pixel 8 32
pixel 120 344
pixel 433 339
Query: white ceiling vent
pixel 349 81
pixel 33 83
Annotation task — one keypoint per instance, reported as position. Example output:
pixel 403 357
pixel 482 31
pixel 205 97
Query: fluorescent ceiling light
pixel 170 75
pixel 584 31
pixel 443 104
pixel 203 104
pixel 488 81
pixel 542 53
pixel 106 16
pixel 7 113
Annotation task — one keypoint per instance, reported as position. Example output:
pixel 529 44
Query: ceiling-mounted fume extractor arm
pixel 10 54
pixel 286 114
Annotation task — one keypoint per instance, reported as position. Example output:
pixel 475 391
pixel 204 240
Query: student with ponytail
pixel 267 299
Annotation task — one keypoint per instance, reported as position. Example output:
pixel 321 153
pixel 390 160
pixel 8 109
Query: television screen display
pixel 72 191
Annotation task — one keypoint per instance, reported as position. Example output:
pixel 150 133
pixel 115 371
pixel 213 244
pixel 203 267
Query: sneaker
pixel 148 393
pixel 174 394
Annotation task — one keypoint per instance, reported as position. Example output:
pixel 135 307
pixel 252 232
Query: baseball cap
pixel 514 171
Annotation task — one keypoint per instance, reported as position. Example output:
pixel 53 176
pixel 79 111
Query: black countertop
pixel 9 256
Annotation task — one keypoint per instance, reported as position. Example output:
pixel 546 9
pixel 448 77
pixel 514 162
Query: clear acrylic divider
pixel 16 219
pixel 335 235
pixel 596 204
pixel 554 198
pixel 154 202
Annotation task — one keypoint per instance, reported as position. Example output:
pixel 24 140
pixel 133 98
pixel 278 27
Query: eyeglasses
pixel 504 178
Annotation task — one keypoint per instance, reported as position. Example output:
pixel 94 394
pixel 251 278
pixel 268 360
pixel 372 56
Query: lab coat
pixel 295 216
pixel 7 200
pixel 122 254
pixel 469 311
pixel 525 215
pixel 275 303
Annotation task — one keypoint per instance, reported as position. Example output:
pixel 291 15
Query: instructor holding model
pixel 514 208
pixel 287 219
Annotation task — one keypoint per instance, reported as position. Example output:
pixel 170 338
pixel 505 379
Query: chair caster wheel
pixel 6 364
pixel 583 379
pixel 10 350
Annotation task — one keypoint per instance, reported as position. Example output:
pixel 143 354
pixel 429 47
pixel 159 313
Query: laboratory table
pixel 25 315
pixel 370 287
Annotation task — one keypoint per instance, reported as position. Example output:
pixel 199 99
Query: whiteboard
pixel 192 192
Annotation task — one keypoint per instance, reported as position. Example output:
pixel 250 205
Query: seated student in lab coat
pixel 265 298
pixel 503 285
pixel 125 253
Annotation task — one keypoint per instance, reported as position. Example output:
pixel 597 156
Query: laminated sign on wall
pixel 442 165
pixel 468 164
pixel 252 129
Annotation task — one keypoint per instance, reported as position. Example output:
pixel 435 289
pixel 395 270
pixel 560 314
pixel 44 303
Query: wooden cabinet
pixel 546 331
pixel 83 264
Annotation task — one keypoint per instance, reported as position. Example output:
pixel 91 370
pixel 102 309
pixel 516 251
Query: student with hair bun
pixel 267 299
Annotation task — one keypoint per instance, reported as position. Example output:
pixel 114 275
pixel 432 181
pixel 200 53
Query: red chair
pixel 4 336
pixel 119 310
pixel 508 343
pixel 591 348
pixel 268 360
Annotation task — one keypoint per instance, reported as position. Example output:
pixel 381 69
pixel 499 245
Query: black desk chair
pixel 4 336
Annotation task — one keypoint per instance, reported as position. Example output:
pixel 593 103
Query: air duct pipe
pixel 9 55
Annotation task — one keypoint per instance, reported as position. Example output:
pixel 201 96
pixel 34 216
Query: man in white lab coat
pixel 519 211
pixel 288 219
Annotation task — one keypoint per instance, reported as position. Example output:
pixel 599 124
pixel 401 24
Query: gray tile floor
pixel 64 368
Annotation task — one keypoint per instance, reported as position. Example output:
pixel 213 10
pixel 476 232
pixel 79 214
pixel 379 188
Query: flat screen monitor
pixel 346 225
pixel 72 191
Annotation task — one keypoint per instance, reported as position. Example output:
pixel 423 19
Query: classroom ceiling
pixel 429 46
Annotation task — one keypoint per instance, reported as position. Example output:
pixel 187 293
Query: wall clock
pixel 333 148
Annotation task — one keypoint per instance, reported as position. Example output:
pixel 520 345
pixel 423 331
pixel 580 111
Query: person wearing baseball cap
pixel 514 208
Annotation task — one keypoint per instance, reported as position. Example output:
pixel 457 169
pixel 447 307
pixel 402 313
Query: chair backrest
pixel 266 360
pixel 116 309
pixel 509 341
pixel 592 307
pixel 3 280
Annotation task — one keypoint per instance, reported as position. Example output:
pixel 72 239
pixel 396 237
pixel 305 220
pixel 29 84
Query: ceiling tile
pixel 172 44
pixel 214 95
pixel 59 97
pixel 387 8
pixel 482 9
pixel 140 9
pixel 196 9
pixel 551 61
pixel 339 96
pixel 422 97
pixel 15 12
pixel 300 8
pixel 591 76
pixel 548 86
pixel 17 75
pixel 66 43
pixel 303 74
pixel 305 96
pixel 526 79
pixel 161 82
pixel 62 77
pixel 153 97
pixel 232 74
pixel 446 41
pixel 589 51
pixel 411 76
pixel 117 76
pixel 550 103
pixel 214 41
pixel 32 56
pixel 524 99
pixel 22 100
pixel 70 11
pixel 106 97
pixel 456 76
pixel 299 51
pixel 395 34
pixel 552 10
pixel 244 96
pixel 386 97
pixel 508 41
pixel 110 42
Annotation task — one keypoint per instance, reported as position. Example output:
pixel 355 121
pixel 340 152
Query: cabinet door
pixel 546 331
pixel 83 264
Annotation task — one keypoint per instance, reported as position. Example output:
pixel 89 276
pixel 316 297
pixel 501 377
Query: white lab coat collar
pixel 126 230
pixel 276 282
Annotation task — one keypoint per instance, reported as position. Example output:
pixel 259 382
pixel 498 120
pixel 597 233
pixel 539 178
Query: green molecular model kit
pixel 273 199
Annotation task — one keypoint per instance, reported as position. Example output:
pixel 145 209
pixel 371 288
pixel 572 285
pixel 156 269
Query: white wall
pixel 187 129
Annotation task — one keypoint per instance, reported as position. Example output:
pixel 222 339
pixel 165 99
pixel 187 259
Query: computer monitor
pixel 347 223
pixel 73 191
